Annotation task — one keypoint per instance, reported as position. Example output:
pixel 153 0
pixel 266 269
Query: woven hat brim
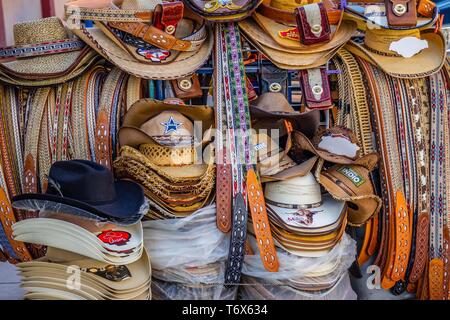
pixel 427 62
pixel 185 64
pixel 43 80
pixel 294 61
pixel 363 22
pixel 268 31
pixel 253 28
pixel 46 65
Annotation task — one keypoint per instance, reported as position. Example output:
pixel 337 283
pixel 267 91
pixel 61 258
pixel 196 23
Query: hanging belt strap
pixel 245 181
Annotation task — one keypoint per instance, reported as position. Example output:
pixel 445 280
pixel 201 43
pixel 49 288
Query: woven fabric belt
pixel 40 49
pixel 246 185
pixel 439 176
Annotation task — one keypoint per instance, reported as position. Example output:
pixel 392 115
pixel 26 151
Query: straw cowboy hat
pixel 223 11
pixel 44 53
pixel 148 119
pixel 172 46
pixel 46 278
pixel 275 32
pixel 402 53
pixel 372 15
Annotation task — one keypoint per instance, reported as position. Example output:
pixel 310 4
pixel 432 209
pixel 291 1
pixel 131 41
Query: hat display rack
pixel 227 150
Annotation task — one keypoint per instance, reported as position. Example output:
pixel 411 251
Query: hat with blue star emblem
pixel 165 123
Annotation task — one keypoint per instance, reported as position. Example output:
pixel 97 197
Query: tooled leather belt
pixel 107 121
pixel 245 183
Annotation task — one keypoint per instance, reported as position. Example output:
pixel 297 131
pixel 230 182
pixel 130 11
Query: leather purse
pixel 187 88
pixel 316 88
pixel 401 12
pixel 273 79
pixel 313 24
pixel 168 15
pixel 250 90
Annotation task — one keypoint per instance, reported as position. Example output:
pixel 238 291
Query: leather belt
pixel 289 18
pixel 135 22
pixel 106 122
pixel 161 39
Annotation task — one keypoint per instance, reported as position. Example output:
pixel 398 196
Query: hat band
pixel 41 49
pixel 294 206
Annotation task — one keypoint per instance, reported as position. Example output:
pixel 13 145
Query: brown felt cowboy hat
pixel 336 144
pixel 352 183
pixel 272 106
pixel 45 53
pixel 141 38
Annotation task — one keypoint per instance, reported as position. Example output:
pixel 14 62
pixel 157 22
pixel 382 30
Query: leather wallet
pixel 316 88
pixel 187 88
pixel 313 24
pixel 401 12
pixel 273 79
pixel 167 16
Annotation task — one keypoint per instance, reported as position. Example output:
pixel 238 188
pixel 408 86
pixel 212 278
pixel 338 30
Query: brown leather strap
pixel 421 252
pixel 402 238
pixel 7 219
pixel 103 150
pixel 155 36
pixel 436 279
pixel 363 256
pixel 223 193
pixel 3 257
pixel 288 17
pixel 373 242
pixel 261 224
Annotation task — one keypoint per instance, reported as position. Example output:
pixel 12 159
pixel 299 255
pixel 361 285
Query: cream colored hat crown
pixel 169 123
pixel 303 191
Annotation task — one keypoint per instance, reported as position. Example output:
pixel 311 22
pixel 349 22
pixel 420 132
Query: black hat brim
pixel 127 205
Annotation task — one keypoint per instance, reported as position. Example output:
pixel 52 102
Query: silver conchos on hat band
pixel 399 9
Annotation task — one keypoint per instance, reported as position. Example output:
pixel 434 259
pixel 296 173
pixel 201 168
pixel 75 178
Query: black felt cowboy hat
pixel 86 188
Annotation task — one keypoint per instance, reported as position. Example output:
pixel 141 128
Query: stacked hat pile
pixel 308 224
pixel 300 278
pixel 166 149
pixel 188 257
pixel 274 30
pixel 88 218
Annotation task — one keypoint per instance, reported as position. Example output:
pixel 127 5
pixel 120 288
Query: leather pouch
pixel 187 88
pixel 168 15
pixel 316 88
pixel 273 79
pixel 426 8
pixel 313 24
pixel 401 12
